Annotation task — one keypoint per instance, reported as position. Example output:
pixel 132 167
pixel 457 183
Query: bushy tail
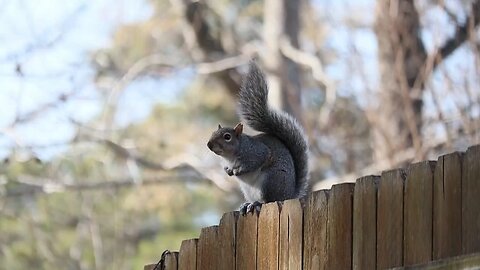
pixel 255 111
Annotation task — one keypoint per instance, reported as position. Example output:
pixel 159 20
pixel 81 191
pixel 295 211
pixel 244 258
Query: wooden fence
pixel 427 212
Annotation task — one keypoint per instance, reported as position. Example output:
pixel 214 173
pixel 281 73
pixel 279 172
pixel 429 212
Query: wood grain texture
pixel 246 244
pixel 470 261
pixel 404 219
pixel 187 257
pixel 390 219
pixel 291 235
pixel 208 249
pixel 315 231
pixel 365 223
pixel 268 237
pixel 227 238
pixel 339 227
pixel 471 200
pixel 447 206
pixel 170 261
pixel 418 213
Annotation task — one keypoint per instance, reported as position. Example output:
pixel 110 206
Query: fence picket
pixel 365 223
pixel 390 219
pixel 291 234
pixel 430 211
pixel 268 235
pixel 170 261
pixel 227 237
pixel 208 249
pixel 315 231
pixel 447 206
pixel 339 227
pixel 187 258
pixel 471 200
pixel 418 213
pixel 246 244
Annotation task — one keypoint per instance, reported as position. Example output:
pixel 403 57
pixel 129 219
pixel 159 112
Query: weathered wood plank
pixel 471 200
pixel 315 231
pixel 431 213
pixel 227 237
pixel 390 219
pixel 208 249
pixel 268 233
pixel 365 223
pixel 418 213
pixel 291 235
pixel 470 261
pixel 170 261
pixel 339 227
pixel 246 244
pixel 447 207
pixel 187 257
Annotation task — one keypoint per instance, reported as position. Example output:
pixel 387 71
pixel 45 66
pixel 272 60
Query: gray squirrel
pixel 271 166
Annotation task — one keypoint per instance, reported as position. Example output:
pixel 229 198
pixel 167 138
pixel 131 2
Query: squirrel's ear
pixel 238 129
pixel 219 126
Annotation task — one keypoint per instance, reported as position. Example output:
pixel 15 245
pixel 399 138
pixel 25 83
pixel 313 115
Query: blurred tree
pixel 119 193
pixel 282 23
pixel 405 68
pixel 401 58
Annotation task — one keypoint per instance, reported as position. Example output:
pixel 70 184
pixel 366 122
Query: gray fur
pixel 272 166
pixel 254 109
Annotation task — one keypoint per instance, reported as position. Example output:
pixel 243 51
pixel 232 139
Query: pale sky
pixel 52 40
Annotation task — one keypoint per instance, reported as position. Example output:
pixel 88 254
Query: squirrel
pixel 271 166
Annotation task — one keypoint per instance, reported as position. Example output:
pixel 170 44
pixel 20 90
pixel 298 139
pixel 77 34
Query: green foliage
pixel 131 225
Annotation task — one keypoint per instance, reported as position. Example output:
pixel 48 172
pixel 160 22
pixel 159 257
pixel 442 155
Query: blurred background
pixel 106 107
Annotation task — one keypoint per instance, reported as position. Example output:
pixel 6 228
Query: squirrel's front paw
pixel 237 171
pixel 228 170
pixel 249 207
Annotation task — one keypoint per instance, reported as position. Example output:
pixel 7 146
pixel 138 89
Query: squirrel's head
pixel 224 141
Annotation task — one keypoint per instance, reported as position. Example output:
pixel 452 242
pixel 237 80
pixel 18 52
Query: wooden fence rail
pixel 427 212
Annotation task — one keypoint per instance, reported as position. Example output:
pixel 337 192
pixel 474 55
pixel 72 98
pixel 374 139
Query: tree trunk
pixel 282 21
pixel 211 48
pixel 401 55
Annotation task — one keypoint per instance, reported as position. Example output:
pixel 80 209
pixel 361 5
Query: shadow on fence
pixel 427 212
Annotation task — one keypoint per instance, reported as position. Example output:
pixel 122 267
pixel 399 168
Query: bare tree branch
pixel 39 44
pixel 62 98
pixel 375 168
pixel 460 36
pixel 223 64
pixel 28 186
pixel 126 154
pixel 133 72
pixel 313 62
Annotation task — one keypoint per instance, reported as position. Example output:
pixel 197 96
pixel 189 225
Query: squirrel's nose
pixel 209 145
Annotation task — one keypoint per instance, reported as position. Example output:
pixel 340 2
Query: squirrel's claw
pixel 237 171
pixel 250 207
pixel 243 208
pixel 254 206
pixel 228 170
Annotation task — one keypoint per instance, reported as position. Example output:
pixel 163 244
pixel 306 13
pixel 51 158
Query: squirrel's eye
pixel 227 136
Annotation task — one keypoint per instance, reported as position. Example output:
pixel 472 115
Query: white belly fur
pixel 250 184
